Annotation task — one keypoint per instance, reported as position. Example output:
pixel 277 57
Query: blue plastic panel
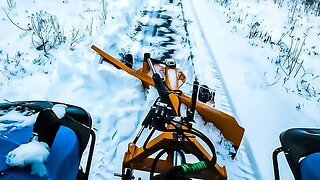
pixel 62 163
pixel 310 167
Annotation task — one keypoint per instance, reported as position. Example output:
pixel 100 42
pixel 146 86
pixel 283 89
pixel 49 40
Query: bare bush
pixel 309 6
pixel 312 6
pixel 305 89
pixel 294 10
pixel 224 3
pixel 257 32
pixel 76 37
pixel 104 11
pixel 289 60
pixel 47 33
pixel 279 2
pixel 11 66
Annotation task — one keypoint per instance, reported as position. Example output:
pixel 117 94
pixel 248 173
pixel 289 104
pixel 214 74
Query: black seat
pixel 76 118
pixel 298 143
pixel 73 114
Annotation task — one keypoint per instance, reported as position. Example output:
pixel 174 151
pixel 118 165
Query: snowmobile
pixel 67 138
pixel 302 151
pixel 172 136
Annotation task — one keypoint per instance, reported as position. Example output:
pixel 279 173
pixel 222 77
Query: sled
pixel 177 136
pixel 68 139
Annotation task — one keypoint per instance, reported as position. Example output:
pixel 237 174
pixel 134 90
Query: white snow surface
pixel 116 101
pixel 59 110
pixel 264 111
pixel 16 119
pixel 33 153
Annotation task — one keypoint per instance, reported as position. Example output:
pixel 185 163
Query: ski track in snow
pixel 244 164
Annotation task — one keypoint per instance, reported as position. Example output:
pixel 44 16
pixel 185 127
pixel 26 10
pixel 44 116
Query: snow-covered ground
pixel 265 111
pixel 249 51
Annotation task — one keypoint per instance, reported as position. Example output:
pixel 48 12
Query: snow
pixel 223 58
pixel 265 111
pixel 172 78
pixel 59 110
pixel 16 119
pixel 33 153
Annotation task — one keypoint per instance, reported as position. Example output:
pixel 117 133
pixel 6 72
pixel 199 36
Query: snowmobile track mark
pixel 227 106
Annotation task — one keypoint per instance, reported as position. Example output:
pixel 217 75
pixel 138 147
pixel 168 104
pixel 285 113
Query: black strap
pixel 8 170
pixel 46 126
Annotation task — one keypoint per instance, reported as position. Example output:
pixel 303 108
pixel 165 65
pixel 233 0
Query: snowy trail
pixel 157 28
pixel 162 29
pixel 154 28
pixel 244 166
pixel 260 109
pixel 192 32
